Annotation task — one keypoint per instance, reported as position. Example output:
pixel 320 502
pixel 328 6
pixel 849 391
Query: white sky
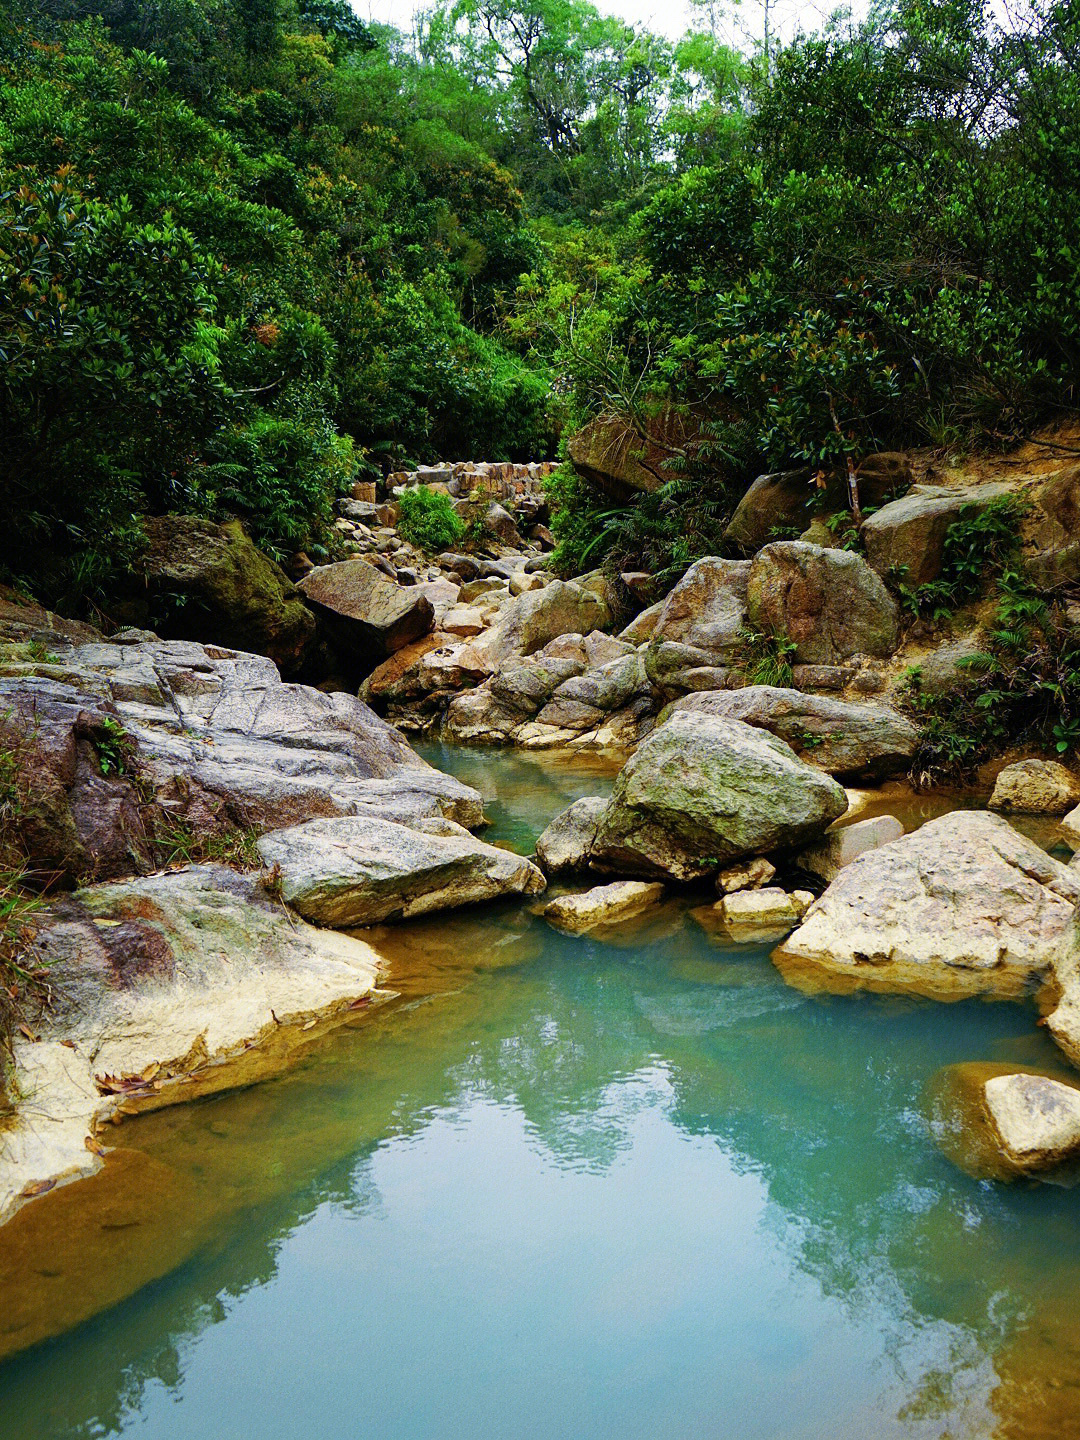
pixel 666 17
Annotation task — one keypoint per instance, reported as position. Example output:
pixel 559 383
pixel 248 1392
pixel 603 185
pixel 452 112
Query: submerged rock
pixel 1002 1122
pixel 846 738
pixel 768 908
pixel 165 987
pixel 701 791
pixel 1036 787
pixel 346 872
pixel 603 905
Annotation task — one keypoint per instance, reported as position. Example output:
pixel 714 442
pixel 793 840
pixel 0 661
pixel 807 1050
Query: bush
pixel 428 520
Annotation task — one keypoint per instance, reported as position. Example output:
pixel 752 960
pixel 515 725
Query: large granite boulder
pixel 829 602
pixel 200 580
pixel 164 988
pixel 348 871
pixel 965 904
pixel 700 791
pixel 533 620
pixel 1036 787
pixel 845 843
pixel 698 632
pixel 125 746
pixel 609 453
pixel 851 739
pixel 909 534
pixel 366 615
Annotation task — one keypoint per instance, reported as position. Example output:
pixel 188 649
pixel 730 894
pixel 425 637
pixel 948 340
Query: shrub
pixel 428 520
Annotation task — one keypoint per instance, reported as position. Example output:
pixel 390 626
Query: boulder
pixel 847 738
pixel 346 872
pixel 851 739
pixel 465 567
pixel 566 843
pixel 642 628
pixel 910 533
pixel 1050 529
pixel 499 524
pixel 699 629
pixel 828 856
pixel 603 905
pixel 367 617
pixel 963 905
pixel 776 501
pixel 746 875
pixel 788 499
pixel 701 791
pixel 531 621
pixel 463 620
pixel 1006 1122
pixel 829 602
pixel 209 582
pixel 606 452
pixel 165 988
pixel 1035 787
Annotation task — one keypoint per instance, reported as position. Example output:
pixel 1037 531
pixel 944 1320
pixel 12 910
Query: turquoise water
pixel 563 1189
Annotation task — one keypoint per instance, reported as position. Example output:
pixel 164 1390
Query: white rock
pixel 346 872
pixel 1036 1119
pixel 463 620
pixel 603 905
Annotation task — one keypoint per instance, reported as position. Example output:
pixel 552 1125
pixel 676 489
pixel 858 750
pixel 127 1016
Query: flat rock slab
pixel 770 907
pixel 166 987
pixel 603 905
pixel 347 872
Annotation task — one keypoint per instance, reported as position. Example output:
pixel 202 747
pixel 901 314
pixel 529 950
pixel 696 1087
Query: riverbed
pixel 561 1189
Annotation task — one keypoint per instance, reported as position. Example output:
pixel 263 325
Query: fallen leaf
pixel 94 1146
pixel 36 1187
pixel 25 1030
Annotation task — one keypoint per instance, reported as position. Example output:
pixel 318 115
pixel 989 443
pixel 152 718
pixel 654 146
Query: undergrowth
pixel 24 983
pixel 179 842
pixel 428 520
pixel 767 657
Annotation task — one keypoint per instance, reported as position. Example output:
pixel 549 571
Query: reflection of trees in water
pixel 822 1099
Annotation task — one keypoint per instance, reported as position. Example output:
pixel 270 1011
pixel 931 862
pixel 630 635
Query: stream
pixel 562 1189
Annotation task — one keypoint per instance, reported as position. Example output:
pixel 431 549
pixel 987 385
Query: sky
pixel 664 17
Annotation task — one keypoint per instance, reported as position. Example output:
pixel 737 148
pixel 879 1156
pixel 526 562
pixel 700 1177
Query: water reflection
pixel 563 1188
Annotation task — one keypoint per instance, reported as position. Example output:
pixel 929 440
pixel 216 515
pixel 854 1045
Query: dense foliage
pixel 255 248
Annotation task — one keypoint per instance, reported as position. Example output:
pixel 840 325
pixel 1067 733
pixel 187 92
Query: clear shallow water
pixel 563 1189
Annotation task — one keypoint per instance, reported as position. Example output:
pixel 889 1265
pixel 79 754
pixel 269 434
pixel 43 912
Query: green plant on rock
pixel 981 545
pixel 112 745
pixel 428 520
pixel 767 657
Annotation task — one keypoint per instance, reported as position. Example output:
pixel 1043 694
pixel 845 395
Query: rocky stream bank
pixel 205 829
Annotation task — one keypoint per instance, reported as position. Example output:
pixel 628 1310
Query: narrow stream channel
pixel 561 1190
